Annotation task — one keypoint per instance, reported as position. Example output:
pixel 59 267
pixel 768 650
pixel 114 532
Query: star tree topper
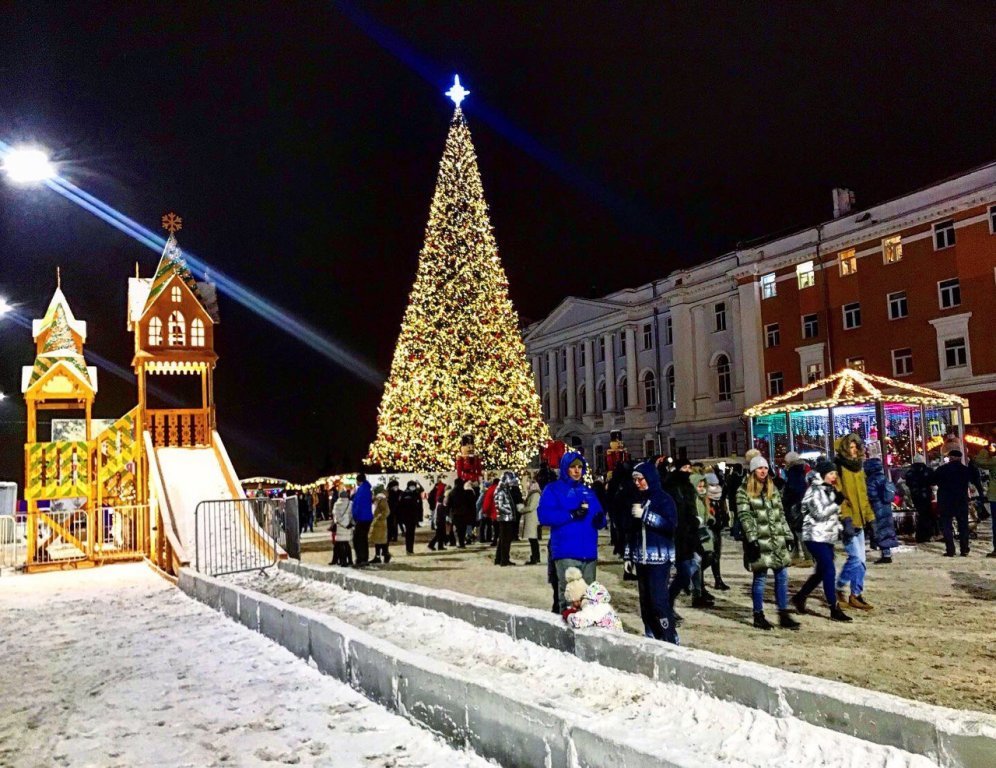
pixel 457 92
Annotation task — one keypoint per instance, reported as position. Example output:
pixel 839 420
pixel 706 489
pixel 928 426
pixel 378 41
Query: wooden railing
pixel 180 428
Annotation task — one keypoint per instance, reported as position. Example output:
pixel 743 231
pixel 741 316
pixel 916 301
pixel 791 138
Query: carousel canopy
pixel 851 387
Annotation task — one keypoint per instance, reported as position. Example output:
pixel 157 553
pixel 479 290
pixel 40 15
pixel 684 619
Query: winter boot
pixel 785 621
pixel 534 552
pixel 884 560
pixel 800 604
pixel 992 554
pixel 836 614
pixel 762 623
pixel 703 601
pixel 722 586
pixel 841 598
pixel 858 601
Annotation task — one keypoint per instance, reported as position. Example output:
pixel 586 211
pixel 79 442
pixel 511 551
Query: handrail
pixel 171 532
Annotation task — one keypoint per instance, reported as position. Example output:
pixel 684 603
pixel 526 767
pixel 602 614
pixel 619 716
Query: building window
pixel 602 400
pixel 902 362
pixel 992 219
pixel 175 294
pixel 648 448
pixel 856 363
pixel 563 403
pixel 712 445
pixel 155 332
pixel 852 316
pixel 563 359
pixel 776 384
pixel 955 353
pixel 650 392
pixel 892 249
pixel 581 355
pixel 622 343
pixel 197 333
pixel 672 446
pixel 720 311
pixel 848 262
pixel 669 388
pixel 723 378
pixel 949 293
pixel 648 336
pixel 769 287
pixel 814 372
pixel 668 331
pixel 805 275
pixel 580 401
pixel 810 326
pixel 177 335
pixel 623 395
pixel 944 235
pixel 724 444
pixel 601 348
pixel 546 407
pixel 898 306
pixel 772 336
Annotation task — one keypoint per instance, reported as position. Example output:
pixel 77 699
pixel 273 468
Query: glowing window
pixel 806 275
pixel 177 330
pixel 848 262
pixel 892 249
pixel 155 332
pixel 175 294
pixel 769 287
pixel 197 333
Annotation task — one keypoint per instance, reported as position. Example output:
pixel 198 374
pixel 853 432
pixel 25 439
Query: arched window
pixel 175 294
pixel 580 402
pixel 650 391
pixel 546 407
pixel 723 378
pixel 600 402
pixel 177 330
pixel 563 403
pixel 623 397
pixel 197 333
pixel 669 393
pixel 155 332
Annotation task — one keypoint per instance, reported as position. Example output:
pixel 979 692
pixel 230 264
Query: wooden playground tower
pixel 88 496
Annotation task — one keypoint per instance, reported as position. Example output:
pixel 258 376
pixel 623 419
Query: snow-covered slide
pixel 182 478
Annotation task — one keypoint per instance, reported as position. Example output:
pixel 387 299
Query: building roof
pixel 851 387
pixel 58 302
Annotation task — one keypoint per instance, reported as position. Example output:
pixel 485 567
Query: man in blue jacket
pixel 362 518
pixel 574 515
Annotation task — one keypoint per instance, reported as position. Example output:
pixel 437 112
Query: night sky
pixel 300 144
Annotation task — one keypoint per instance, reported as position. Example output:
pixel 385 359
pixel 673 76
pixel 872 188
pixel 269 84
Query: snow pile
pixel 115 667
pixel 647 714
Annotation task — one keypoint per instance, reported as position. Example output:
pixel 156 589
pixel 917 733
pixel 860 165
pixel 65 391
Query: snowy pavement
pixel 653 716
pixel 115 667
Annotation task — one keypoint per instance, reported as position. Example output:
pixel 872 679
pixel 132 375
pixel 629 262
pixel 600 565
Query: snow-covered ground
pixel 115 667
pixel 663 718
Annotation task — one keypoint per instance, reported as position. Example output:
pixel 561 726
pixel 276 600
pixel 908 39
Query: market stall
pixel 904 418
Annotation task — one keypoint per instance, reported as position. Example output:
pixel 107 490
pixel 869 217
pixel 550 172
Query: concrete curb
pixel 953 738
pixel 468 715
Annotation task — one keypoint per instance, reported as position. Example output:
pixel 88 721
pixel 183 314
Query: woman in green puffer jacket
pixel 767 540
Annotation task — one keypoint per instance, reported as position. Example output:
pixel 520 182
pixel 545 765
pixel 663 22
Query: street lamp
pixel 5 307
pixel 27 165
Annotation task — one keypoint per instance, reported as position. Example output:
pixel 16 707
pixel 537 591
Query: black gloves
pixel 838 498
pixel 579 513
pixel 789 544
pixel 753 550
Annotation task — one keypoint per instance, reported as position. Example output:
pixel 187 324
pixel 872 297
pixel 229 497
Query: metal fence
pixel 12 544
pixel 236 535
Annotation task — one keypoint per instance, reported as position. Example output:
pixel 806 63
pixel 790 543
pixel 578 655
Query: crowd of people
pixel 666 522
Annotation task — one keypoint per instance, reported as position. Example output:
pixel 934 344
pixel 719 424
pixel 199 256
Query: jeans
pixel 587 568
pixel 822 553
pixel 948 516
pixel 781 589
pixel 655 603
pixel 852 573
pixel 686 570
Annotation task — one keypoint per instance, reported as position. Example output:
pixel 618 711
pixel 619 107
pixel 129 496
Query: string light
pixel 460 364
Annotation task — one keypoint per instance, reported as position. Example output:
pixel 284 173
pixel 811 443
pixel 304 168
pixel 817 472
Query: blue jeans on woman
pixel 822 553
pixel 781 589
pixel 852 573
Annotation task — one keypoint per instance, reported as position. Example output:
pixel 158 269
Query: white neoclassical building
pixel 661 363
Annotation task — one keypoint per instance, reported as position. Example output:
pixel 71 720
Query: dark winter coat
pixel 410 507
pixel 795 489
pixel 880 495
pixel 650 540
pixel 363 503
pixel 462 506
pixel 952 481
pixel 919 479
pixel 622 495
pixel 686 535
pixel 573 536
pixel 764 523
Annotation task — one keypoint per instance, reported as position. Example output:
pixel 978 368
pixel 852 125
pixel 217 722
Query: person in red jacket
pixel 489 513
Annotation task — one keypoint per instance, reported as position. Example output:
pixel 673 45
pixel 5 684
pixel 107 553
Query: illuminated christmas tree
pixel 460 366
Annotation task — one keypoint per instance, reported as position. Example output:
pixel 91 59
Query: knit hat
pixel 750 455
pixel 791 458
pixel 757 462
pixel 379 488
pixel 712 478
pixel 919 459
pixel 955 454
pixel 825 467
pixel 575 587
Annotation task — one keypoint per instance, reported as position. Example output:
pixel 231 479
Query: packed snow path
pixel 659 718
pixel 116 667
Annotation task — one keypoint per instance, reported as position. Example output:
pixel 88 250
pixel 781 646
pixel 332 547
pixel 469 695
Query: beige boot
pixel 858 601
pixel 841 599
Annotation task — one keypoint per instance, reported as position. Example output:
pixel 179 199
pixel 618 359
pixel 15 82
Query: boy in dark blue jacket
pixel 574 515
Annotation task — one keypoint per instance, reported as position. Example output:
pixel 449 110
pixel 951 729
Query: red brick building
pixel 906 289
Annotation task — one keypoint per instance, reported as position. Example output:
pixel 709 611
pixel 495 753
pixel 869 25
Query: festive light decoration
pixel 457 92
pixel 460 365
pixel 851 387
